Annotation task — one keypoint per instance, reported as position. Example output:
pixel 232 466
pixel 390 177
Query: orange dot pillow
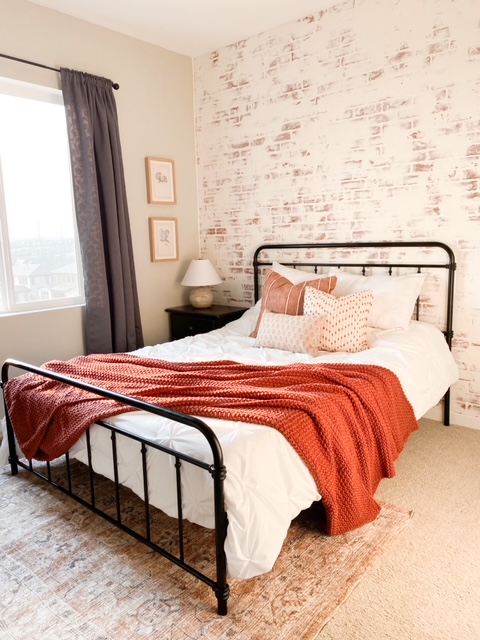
pixel 344 326
pixel 282 296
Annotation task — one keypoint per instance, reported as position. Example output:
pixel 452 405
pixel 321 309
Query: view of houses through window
pixel 40 261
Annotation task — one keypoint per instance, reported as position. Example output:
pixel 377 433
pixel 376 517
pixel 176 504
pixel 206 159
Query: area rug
pixel 67 574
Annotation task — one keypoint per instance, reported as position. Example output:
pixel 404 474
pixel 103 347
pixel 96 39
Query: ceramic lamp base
pixel 201 297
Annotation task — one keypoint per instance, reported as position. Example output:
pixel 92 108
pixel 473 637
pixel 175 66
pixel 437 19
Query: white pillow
pixel 344 326
pixel 296 276
pixel 394 297
pixel 300 334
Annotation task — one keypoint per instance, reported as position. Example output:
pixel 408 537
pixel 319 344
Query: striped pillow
pixel 281 296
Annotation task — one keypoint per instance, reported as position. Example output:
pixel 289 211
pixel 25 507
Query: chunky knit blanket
pixel 348 422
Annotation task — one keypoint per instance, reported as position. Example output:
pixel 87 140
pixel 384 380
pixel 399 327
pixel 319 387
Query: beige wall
pixel 155 108
pixel 358 123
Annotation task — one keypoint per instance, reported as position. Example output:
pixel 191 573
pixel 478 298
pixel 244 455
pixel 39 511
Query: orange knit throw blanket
pixel 348 422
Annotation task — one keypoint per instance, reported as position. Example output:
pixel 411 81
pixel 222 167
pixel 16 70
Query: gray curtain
pixel 112 310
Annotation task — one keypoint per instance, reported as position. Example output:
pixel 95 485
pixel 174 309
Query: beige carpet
pixel 66 574
pixel 426 586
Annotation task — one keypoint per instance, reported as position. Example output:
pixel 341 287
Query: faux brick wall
pixel 361 122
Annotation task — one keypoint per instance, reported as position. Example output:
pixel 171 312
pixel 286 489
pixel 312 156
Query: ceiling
pixel 189 27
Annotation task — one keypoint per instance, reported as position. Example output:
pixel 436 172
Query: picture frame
pixel 160 181
pixel 163 239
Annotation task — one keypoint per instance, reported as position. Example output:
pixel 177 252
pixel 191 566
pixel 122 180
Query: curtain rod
pixel 44 66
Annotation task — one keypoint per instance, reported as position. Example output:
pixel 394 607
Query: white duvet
pixel 267 484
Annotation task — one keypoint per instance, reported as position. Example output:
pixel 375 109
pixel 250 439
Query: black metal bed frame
pixel 217 469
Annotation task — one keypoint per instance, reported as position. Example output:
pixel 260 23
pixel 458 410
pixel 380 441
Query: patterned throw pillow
pixel 300 334
pixel 281 296
pixel 345 324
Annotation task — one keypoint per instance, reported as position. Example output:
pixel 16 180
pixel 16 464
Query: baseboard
pixel 459 419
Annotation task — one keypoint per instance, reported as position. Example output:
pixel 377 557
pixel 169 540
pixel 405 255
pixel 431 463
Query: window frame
pixel 9 305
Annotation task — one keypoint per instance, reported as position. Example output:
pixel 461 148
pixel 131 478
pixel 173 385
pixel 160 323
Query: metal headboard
pixel 373 255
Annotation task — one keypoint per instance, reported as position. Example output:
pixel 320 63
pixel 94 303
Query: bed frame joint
pixel 219 473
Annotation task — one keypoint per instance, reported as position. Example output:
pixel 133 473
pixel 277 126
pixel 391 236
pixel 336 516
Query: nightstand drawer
pixel 187 320
pixel 181 326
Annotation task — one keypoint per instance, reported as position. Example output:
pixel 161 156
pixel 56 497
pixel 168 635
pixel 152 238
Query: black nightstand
pixel 187 320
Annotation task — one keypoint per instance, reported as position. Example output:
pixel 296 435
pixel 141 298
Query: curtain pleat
pixel 112 310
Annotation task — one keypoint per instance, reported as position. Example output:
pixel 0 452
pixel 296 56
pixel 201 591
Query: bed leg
pixel 13 467
pixel 222 598
pixel 218 473
pixel 12 445
pixel 446 409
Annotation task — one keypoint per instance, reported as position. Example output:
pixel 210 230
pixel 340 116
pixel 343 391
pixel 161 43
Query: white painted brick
pixel 360 122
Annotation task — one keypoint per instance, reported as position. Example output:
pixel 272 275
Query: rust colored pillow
pixel 281 296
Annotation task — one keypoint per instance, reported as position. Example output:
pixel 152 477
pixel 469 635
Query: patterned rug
pixel 66 573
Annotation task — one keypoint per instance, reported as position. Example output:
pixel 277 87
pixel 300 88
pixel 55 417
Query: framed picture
pixel 163 239
pixel 160 181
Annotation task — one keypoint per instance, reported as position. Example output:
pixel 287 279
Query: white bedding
pixel 267 484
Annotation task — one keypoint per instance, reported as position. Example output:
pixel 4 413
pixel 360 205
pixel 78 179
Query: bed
pixel 384 310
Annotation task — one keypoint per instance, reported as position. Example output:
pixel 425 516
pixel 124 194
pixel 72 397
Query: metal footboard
pixel 216 470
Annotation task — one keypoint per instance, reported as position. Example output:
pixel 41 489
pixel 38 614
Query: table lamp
pixel 201 275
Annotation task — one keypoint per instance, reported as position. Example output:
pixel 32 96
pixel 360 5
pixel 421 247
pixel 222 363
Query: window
pixel 40 259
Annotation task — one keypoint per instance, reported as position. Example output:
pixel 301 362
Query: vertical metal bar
pixel 145 492
pixel 90 469
pixel 449 328
pixel 49 472
pixel 417 301
pixel 451 271
pixel 115 475
pixel 222 590
pixel 255 275
pixel 69 472
pixel 178 476
pixel 12 444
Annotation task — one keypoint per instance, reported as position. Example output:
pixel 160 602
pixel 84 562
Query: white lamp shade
pixel 200 273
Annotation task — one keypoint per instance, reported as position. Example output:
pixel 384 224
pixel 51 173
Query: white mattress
pixel 267 484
